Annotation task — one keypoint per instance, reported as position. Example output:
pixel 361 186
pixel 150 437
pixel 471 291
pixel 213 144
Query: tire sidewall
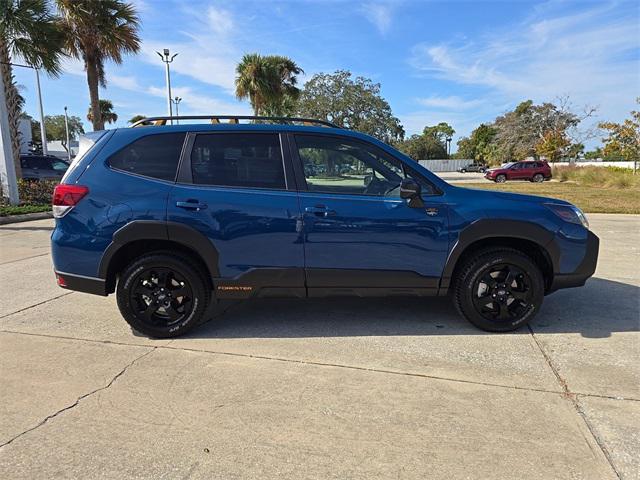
pixel 465 295
pixel 191 274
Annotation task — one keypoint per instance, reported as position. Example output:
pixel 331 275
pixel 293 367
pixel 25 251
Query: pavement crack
pixel 573 398
pixel 79 399
pixel 36 304
pixel 25 258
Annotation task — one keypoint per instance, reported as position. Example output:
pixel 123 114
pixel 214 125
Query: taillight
pixel 65 197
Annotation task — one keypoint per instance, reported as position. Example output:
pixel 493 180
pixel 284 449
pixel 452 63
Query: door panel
pixel 373 242
pixel 256 230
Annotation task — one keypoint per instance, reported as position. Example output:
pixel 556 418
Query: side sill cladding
pixel 140 230
pixel 489 228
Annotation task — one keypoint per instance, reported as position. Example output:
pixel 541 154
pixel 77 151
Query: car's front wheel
pixel 501 178
pixel 464 170
pixel 499 290
pixel 163 294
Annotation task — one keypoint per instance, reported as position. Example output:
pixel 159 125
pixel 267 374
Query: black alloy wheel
pixel 498 289
pixel 163 294
pixel 503 293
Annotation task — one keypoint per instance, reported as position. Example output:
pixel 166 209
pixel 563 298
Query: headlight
pixel 568 213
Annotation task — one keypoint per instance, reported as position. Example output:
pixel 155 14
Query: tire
pixel 147 294
pixel 501 178
pixel 538 178
pixel 463 171
pixel 483 295
pixel 482 170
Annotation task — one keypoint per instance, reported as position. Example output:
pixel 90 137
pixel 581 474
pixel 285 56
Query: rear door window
pixel 154 156
pixel 252 160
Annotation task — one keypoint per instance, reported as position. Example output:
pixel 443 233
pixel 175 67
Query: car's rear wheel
pixel 482 170
pixel 163 294
pixel 499 290
pixel 464 170
pixel 537 178
pixel 501 178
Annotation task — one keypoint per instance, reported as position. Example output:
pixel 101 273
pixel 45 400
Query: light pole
pixel 43 131
pixel 177 101
pixel 449 146
pixel 167 58
pixel 66 128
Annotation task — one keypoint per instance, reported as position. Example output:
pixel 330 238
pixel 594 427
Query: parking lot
pixel 323 388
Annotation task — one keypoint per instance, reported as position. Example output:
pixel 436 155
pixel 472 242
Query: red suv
pixel 537 171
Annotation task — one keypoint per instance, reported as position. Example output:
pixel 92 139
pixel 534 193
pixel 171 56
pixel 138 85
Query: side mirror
pixel 411 190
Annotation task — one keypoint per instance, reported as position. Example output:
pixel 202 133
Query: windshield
pixel 508 165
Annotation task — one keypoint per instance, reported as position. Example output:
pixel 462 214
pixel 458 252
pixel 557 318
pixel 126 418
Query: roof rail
pixel 233 119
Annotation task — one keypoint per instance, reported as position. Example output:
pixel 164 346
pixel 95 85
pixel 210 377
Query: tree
pixel 477 145
pixel 105 111
pixel 350 103
pixel 54 126
pixel 623 138
pixel 136 118
pixel 431 144
pixel 552 145
pixel 269 83
pixel 99 31
pixel 29 31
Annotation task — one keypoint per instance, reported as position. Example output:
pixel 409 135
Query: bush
pixel 602 177
pixel 36 193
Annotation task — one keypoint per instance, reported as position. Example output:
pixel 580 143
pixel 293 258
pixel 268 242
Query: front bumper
pixel 584 271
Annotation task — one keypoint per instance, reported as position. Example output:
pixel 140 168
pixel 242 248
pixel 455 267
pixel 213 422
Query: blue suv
pixel 176 218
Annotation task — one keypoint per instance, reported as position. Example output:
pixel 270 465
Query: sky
pixel 451 61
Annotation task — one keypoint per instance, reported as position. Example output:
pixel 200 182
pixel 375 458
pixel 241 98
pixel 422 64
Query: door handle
pixel 192 205
pixel 320 211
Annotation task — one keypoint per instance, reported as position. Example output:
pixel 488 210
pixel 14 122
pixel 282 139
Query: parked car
pixel 473 167
pixel 537 171
pixel 42 167
pixel 177 218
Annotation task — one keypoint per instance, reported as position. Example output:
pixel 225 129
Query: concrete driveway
pixel 341 388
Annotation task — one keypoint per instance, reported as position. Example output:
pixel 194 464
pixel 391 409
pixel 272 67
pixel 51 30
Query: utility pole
pixel 43 131
pixel 167 58
pixel 66 128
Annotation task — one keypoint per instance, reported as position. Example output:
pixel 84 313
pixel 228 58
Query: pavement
pixel 340 388
pixel 457 177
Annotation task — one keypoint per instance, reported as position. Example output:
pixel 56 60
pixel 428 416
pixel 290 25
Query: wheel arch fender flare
pixel 485 229
pixel 140 230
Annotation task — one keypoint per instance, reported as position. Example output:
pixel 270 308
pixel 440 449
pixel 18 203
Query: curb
pixel 27 217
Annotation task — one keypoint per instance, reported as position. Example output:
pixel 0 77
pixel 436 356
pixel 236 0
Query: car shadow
pixel 597 310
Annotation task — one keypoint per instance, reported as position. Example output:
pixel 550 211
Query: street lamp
pixel 177 101
pixel 449 146
pixel 167 58
pixel 66 129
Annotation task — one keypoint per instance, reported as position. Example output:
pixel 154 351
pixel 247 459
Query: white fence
pixel 452 165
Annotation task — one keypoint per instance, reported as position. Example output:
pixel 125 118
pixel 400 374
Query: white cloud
pixel 379 14
pixel 126 82
pixel 590 56
pixel 452 102
pixel 220 21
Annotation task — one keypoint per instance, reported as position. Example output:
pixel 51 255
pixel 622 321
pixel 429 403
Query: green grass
pixel 591 199
pixel 6 210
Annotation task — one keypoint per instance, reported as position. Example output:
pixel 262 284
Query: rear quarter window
pixel 154 156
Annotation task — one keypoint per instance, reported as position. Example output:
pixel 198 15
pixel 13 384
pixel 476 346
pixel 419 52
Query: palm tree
pixel 30 32
pixel 268 82
pixel 99 31
pixel 136 118
pixel 106 113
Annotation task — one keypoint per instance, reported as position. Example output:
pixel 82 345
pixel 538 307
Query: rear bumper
pixel 584 271
pixel 79 283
